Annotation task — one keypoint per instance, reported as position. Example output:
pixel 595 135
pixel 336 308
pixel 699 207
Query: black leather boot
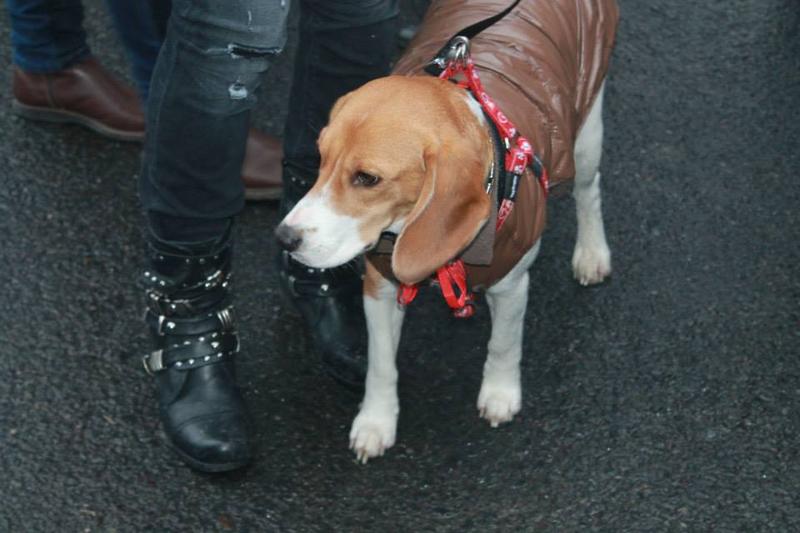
pixel 191 317
pixel 329 300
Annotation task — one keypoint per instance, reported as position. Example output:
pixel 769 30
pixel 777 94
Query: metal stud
pixel 191 361
pixel 324 287
pixel 179 363
pixel 171 325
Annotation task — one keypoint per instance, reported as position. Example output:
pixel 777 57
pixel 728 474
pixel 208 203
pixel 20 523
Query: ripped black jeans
pixel 204 86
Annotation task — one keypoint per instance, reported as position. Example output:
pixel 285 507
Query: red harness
pixel 452 277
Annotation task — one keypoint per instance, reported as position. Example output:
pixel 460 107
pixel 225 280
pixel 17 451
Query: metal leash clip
pixel 459 50
pixel 455 53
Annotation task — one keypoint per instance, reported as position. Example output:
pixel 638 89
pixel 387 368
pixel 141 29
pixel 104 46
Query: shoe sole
pixel 263 194
pixel 209 468
pixel 62 116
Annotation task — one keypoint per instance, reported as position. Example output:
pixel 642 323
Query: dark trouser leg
pixel 140 27
pixel 342 45
pixel 201 95
pixel 47 36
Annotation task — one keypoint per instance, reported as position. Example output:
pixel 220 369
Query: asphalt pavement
pixel 667 399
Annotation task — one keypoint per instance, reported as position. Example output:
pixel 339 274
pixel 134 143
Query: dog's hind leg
pixel 500 397
pixel 591 261
pixel 374 428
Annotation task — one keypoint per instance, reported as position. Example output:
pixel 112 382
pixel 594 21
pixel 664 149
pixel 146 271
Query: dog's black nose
pixel 288 237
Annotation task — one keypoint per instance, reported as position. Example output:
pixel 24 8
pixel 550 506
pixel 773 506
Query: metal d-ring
pixel 459 50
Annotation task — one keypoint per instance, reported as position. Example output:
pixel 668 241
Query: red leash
pixel 452 279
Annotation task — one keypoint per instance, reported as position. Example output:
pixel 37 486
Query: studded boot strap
pixel 189 311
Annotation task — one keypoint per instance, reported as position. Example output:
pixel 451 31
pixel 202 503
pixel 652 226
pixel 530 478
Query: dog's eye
pixel 365 180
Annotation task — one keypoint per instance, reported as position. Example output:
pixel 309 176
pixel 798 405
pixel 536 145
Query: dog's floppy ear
pixel 338 105
pixel 451 209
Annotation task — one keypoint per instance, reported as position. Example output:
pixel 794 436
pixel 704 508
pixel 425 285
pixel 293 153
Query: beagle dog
pixel 408 155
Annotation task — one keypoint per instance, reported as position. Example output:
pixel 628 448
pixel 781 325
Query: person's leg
pixel 203 89
pixel 55 78
pixel 201 94
pixel 342 45
pixel 140 25
pixel 47 36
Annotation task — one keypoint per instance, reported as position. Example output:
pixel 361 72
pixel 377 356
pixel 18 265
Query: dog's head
pixel 400 154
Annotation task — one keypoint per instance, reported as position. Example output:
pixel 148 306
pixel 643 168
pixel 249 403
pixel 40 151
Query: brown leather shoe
pixel 86 94
pixel 263 167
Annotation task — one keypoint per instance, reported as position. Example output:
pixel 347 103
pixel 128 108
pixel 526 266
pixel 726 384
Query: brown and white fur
pixel 427 142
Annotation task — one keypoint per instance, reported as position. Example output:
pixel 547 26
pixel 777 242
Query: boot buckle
pixel 225 317
pixel 153 362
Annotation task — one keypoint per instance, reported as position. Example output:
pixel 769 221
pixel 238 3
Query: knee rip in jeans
pixel 237 51
pixel 238 90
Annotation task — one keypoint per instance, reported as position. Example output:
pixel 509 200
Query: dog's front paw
pixel 591 265
pixel 372 434
pixel 499 401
